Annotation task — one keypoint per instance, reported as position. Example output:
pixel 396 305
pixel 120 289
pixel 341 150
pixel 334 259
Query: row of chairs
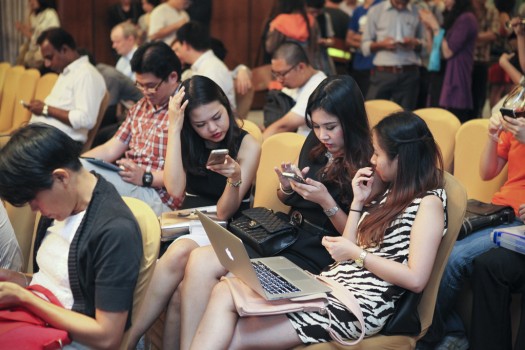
pixel 19 84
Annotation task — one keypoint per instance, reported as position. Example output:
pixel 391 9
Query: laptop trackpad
pixel 293 274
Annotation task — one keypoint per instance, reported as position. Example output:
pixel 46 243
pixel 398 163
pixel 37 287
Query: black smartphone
pixel 103 164
pixel 508 112
pixel 294 177
pixel 217 156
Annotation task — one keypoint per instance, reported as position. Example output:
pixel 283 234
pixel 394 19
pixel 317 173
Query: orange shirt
pixel 292 25
pixel 513 190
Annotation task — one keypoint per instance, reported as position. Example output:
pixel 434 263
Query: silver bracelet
pixel 288 193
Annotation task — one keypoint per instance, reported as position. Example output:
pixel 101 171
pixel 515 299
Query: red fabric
pixel 21 329
pixel 497 75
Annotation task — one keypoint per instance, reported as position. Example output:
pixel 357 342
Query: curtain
pixel 11 11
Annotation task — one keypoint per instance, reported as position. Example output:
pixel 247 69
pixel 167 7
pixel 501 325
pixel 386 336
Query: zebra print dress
pixel 376 297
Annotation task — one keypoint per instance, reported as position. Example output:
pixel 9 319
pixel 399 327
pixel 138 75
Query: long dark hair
pixel 201 90
pixel 341 97
pixel 419 169
pixel 460 6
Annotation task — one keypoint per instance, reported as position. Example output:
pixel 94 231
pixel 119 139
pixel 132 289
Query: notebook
pixel 273 277
pixel 512 238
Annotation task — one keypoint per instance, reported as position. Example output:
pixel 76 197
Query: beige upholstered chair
pixel 25 92
pixel 4 66
pixel 443 126
pixel 278 148
pixel 470 140
pixel 150 229
pixel 45 85
pixel 378 109
pixel 252 129
pixel 456 205
pixel 23 222
pixel 12 80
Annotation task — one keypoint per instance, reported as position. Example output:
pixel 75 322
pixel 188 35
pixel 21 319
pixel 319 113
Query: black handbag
pixel 480 215
pixel 405 319
pixel 264 231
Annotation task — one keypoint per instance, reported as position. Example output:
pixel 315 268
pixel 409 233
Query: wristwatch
pixel 45 110
pixel 147 179
pixel 332 211
pixel 360 262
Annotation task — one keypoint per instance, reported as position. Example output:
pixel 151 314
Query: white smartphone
pixel 294 177
pixel 217 156
pixel 24 103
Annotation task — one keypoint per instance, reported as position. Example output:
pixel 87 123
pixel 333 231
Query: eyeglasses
pixel 282 75
pixel 149 90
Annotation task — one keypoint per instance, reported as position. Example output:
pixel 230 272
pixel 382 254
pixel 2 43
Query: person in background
pixel 73 103
pixel 144 20
pixel 124 37
pixel 360 65
pixel 166 19
pixel 292 68
pixel 42 16
pixel 124 10
pixel 139 146
pixel 348 6
pixel 387 247
pixel 395 34
pixel 88 245
pixel 10 253
pixel 201 120
pixel 325 34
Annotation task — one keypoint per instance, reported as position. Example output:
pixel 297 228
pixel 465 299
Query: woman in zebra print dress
pixel 388 246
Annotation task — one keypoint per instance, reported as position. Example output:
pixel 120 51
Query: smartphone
pixel 24 103
pixel 294 177
pixel 217 156
pixel 508 112
pixel 103 164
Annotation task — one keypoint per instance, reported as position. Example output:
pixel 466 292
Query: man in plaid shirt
pixel 139 146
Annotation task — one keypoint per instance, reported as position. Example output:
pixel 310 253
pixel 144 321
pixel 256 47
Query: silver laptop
pixel 272 277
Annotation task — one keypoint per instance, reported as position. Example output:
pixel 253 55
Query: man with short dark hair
pixel 73 104
pixel 88 246
pixel 292 68
pixel 142 138
pixel 193 47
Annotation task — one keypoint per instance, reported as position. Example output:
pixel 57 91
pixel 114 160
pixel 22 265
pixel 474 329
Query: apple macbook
pixel 273 277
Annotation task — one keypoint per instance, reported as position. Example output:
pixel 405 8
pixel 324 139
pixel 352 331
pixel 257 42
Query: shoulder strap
pixel 350 302
pixel 46 292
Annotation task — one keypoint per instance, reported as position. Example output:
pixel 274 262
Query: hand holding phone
pixel 24 103
pixel 294 177
pixel 217 156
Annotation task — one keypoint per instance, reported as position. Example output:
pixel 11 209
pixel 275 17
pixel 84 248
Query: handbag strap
pixel 350 302
pixel 45 292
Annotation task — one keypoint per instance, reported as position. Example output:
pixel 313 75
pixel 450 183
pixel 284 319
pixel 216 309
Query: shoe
pixel 453 342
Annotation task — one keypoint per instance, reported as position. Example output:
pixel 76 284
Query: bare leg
pixel 221 327
pixel 203 272
pixel 167 275
pixel 171 334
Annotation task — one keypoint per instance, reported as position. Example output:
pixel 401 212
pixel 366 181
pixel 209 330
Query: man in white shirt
pixel 166 19
pixel 124 40
pixel 291 67
pixel 193 46
pixel 73 104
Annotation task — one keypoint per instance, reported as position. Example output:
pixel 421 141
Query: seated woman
pixel 339 145
pixel 201 120
pixel 388 246
pixel 88 245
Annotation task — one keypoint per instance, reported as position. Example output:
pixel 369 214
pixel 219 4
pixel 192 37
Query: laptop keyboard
pixel 271 281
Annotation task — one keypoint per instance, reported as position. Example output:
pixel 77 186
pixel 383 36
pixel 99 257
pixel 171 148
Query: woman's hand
pixel 515 126
pixel 340 248
pixel 130 172
pixel 230 169
pixel 313 191
pixel 176 110
pixel 518 27
pixel 10 294
pixel 287 167
pixel 495 125
pixel 362 186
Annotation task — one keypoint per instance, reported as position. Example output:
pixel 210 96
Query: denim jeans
pixel 459 267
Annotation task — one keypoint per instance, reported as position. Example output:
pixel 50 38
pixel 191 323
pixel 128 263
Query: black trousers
pixel 497 274
pixel 480 77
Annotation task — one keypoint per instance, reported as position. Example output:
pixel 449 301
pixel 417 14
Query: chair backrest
pixel 278 148
pixel 25 92
pixel 378 109
pixel 150 229
pixel 252 129
pixel 470 140
pixel 23 222
pixel 93 132
pixel 456 207
pixel 12 80
pixel 45 85
pixel 4 66
pixel 443 126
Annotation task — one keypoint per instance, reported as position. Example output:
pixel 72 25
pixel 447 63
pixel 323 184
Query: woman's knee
pixel 176 257
pixel 203 263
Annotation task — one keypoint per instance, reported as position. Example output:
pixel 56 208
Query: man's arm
pixel 289 122
pixel 110 151
pixel 169 29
